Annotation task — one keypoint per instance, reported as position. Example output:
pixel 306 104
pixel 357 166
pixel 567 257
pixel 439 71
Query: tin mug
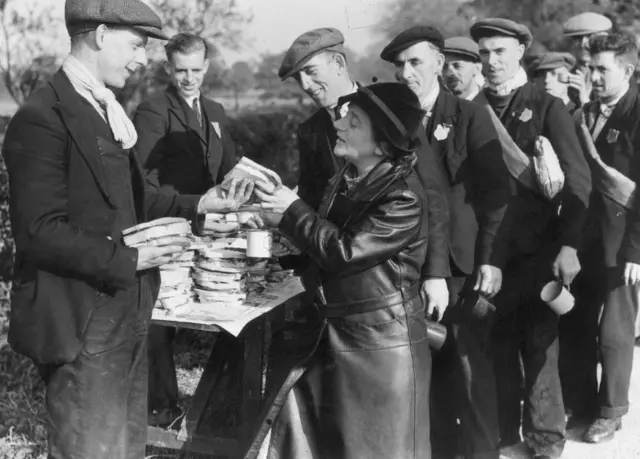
pixel 259 243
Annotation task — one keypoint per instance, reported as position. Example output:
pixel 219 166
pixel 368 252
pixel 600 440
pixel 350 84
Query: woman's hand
pixel 276 201
pixel 227 197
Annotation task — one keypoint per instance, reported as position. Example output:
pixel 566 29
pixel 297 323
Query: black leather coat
pixel 364 390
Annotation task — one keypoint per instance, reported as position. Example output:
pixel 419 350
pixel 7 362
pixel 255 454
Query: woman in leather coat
pixel 363 392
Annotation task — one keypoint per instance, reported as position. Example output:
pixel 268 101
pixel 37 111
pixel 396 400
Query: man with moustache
pixel 469 156
pixel 462 71
pixel 81 300
pixel 608 285
pixel 186 148
pixel 551 73
pixel 545 236
pixel 316 60
pixel 578 30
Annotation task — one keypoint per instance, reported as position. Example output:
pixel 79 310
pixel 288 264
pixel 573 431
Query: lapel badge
pixel 612 135
pixel 216 127
pixel 526 115
pixel 442 131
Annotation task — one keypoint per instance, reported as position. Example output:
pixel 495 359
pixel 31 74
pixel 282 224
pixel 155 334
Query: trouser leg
pixel 578 341
pixel 163 383
pixel 507 341
pixel 617 340
pixel 463 386
pixel 543 414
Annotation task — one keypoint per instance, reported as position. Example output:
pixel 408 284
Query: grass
pixel 22 411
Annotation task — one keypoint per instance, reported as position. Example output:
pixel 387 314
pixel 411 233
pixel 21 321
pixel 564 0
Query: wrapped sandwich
pixel 247 168
pixel 163 231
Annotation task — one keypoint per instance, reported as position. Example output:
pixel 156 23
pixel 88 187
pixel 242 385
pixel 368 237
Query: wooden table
pixel 232 392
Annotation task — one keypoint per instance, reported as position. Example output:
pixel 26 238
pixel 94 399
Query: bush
pixel 269 138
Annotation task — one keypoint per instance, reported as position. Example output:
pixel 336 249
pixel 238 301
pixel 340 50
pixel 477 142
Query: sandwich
pixel 247 168
pixel 163 231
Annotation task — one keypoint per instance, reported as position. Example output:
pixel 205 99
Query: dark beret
pixel 553 60
pixel 463 47
pixel 409 38
pixel 501 27
pixel 83 16
pixel 308 45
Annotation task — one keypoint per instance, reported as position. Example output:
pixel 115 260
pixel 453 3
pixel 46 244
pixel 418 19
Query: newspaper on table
pixel 232 319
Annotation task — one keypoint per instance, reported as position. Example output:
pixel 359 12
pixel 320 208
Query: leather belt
pixel 404 295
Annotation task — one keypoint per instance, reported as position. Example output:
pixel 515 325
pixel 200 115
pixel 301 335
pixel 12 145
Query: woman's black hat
pixel 394 110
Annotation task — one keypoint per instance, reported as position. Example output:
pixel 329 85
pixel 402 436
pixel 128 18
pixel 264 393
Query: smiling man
pixel 185 147
pixel 545 236
pixel 469 156
pixel 607 290
pixel 316 60
pixel 82 300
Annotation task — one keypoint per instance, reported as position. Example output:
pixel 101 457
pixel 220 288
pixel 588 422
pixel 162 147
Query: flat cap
pixel 586 24
pixel 83 16
pixel 411 37
pixel 308 45
pixel 492 27
pixel 462 46
pixel 552 61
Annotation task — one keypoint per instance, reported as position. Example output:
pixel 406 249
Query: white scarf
pixel 506 88
pixel 103 100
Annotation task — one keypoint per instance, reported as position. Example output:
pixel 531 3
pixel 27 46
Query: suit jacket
pixel 618 144
pixel 69 256
pixel 178 155
pixel 533 112
pixel 316 139
pixel 469 155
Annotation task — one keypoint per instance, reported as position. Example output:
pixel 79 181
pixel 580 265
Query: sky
pixel 276 23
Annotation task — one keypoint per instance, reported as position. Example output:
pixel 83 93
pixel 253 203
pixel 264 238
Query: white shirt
pixel 429 100
pixel 605 111
pixel 189 100
pixel 332 111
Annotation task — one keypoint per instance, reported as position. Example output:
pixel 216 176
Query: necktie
pixel 196 108
pixel 604 112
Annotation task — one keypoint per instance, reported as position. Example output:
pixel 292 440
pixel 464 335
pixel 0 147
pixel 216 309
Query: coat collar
pixel 376 182
pixel 184 113
pixel 621 115
pixel 70 106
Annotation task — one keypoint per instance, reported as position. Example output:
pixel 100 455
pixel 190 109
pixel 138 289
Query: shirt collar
pixel 472 95
pixel 606 109
pixel 189 100
pixel 429 100
pixel 331 110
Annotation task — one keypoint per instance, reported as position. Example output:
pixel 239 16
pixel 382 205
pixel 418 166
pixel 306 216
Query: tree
pixel 219 22
pixel 31 40
pixel 240 78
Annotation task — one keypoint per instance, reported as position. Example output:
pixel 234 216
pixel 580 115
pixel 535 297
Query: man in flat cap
pixel 185 147
pixel 545 236
pixel 462 71
pixel 317 62
pixel 81 300
pixel 603 320
pixel 551 73
pixel 577 30
pixel 470 158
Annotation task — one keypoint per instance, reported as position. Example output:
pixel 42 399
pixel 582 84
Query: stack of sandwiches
pixel 176 288
pixel 219 275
